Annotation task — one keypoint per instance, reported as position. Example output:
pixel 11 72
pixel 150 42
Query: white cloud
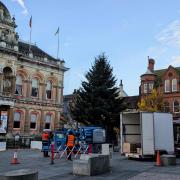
pixel 22 4
pixel 170 35
pixel 175 61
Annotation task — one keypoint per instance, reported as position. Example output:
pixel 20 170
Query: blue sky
pixel 126 30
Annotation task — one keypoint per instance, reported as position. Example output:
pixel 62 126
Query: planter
pixel 36 145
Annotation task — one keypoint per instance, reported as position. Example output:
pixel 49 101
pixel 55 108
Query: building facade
pixel 31 83
pixel 168 82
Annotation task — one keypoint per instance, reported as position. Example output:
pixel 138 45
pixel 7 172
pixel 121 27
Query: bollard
pixel 52 153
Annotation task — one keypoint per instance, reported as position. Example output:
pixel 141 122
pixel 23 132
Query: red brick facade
pixel 166 80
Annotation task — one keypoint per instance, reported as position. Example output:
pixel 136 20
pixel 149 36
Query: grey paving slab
pixel 155 176
pixel 121 168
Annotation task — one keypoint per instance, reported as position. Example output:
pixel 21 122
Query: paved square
pixel 121 168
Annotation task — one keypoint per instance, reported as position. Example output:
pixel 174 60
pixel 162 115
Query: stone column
pixel 25 88
pixel 1 83
pixel 10 120
pixel 54 94
pixel 41 91
pixel 44 92
pixel 57 94
pixel 57 120
pixel 42 121
pixel 23 119
pixel 61 95
pixel 27 122
pixel 13 85
pixel 28 94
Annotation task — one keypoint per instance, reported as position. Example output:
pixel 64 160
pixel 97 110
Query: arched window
pixel 176 106
pixel 18 85
pixel 17 119
pixel 49 90
pixel 35 84
pixel 166 107
pixel 48 121
pixel 167 85
pixel 33 121
pixel 7 81
pixel 174 85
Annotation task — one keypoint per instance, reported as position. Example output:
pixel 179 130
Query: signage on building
pixel 3 122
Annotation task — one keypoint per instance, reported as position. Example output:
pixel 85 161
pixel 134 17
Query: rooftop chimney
pixel 151 63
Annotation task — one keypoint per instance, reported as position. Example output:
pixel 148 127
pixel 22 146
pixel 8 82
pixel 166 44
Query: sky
pixel 127 31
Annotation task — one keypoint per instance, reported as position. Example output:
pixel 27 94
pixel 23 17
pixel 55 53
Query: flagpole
pixel 30 40
pixel 30 25
pixel 58 47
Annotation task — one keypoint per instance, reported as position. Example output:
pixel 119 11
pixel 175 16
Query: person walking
pixel 70 142
pixel 45 138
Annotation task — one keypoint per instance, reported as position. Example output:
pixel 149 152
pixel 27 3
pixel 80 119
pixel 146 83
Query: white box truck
pixel 143 133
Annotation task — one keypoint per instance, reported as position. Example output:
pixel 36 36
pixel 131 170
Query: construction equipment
pixel 84 136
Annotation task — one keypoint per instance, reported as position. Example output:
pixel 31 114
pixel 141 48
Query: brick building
pixel 31 83
pixel 168 80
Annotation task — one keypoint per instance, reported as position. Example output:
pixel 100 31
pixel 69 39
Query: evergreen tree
pixel 96 101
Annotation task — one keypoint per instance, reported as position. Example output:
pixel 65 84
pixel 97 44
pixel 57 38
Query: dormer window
pixel 167 85
pixel 174 85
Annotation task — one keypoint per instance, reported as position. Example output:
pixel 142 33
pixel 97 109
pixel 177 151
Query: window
pixel 18 85
pixel 167 86
pixel 34 87
pixel 48 121
pixel 17 119
pixel 176 106
pixel 33 121
pixel 150 87
pixel 166 107
pixel 174 85
pixel 145 88
pixel 49 90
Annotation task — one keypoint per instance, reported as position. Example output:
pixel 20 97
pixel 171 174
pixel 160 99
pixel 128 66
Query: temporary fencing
pixel 66 151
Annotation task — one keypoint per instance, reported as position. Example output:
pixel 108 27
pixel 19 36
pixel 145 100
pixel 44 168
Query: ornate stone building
pixel 31 83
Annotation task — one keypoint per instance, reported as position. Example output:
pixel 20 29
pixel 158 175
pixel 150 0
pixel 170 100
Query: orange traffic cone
pixel 14 159
pixel 158 159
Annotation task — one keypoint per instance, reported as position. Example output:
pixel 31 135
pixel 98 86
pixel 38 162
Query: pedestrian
pixel 45 142
pixel 70 142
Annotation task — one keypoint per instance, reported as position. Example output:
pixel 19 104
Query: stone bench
pixel 90 165
pixel 21 174
pixel 168 160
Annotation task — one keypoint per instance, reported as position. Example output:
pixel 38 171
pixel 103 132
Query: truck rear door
pixel 147 133
pixel 164 138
